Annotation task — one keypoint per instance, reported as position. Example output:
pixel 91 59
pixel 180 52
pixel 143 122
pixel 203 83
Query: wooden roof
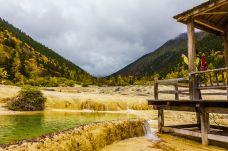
pixel 211 16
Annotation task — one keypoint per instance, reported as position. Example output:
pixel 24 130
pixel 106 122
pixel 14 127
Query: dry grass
pixel 7 92
pixel 93 101
pixel 97 98
pixel 121 98
pixel 80 98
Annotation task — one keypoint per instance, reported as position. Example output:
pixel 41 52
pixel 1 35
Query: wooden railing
pixel 176 83
pixel 210 79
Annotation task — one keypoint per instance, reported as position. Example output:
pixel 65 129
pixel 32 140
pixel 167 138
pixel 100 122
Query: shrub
pixel 6 82
pixel 9 42
pixel 69 83
pixel 28 99
pixel 85 85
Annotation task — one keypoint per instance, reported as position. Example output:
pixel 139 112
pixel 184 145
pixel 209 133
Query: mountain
pixel 167 58
pixel 23 59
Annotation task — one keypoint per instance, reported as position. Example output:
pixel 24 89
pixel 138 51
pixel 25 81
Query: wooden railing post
pixel 226 54
pixel 204 117
pixel 155 89
pixel 176 92
pixel 194 88
pixel 191 58
pixel 160 119
pixel 198 121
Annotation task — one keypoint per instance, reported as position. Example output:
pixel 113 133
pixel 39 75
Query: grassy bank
pixel 90 137
pixel 97 102
pixel 82 100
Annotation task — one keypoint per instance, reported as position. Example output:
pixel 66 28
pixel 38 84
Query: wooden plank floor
pixel 214 134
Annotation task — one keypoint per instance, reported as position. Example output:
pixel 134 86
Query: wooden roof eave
pixel 208 27
pixel 198 15
pixel 201 9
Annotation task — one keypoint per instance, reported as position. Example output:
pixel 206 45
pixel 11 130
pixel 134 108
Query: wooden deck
pixel 202 128
pixel 204 17
pixel 191 87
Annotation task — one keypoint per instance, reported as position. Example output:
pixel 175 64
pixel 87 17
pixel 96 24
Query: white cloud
pixel 101 36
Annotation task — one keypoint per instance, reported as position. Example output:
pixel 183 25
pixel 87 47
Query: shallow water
pixel 25 126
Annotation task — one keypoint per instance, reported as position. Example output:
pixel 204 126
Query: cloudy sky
pixel 101 36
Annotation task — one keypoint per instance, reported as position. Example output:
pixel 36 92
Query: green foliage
pixel 28 99
pixel 3 73
pixel 69 83
pixel 6 82
pixel 26 60
pixel 3 76
pixel 167 62
pixel 50 82
pixel 9 42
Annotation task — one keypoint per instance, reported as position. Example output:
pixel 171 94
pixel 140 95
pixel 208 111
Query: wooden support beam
pixel 181 131
pixel 175 108
pixel 214 13
pixel 191 58
pixel 204 28
pixel 204 117
pixel 226 55
pixel 173 91
pixel 160 119
pixel 210 25
pixel 184 126
pixel 219 110
pixel 155 89
pixel 213 93
pixel 226 46
pixel 191 47
pixel 219 127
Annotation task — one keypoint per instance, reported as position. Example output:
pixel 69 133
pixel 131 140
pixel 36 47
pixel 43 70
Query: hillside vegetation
pixel 26 61
pixel 166 61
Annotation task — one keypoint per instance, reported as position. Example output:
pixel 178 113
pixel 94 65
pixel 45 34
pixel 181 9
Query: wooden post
pixel 204 117
pixel 226 46
pixel 155 89
pixel 192 59
pixel 160 119
pixel 198 122
pixel 226 54
pixel 176 92
pixel 191 47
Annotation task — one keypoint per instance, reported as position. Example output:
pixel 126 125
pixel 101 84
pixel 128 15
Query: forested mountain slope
pixel 167 62
pixel 24 60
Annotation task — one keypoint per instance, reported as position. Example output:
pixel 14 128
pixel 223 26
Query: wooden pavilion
pixel 212 17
